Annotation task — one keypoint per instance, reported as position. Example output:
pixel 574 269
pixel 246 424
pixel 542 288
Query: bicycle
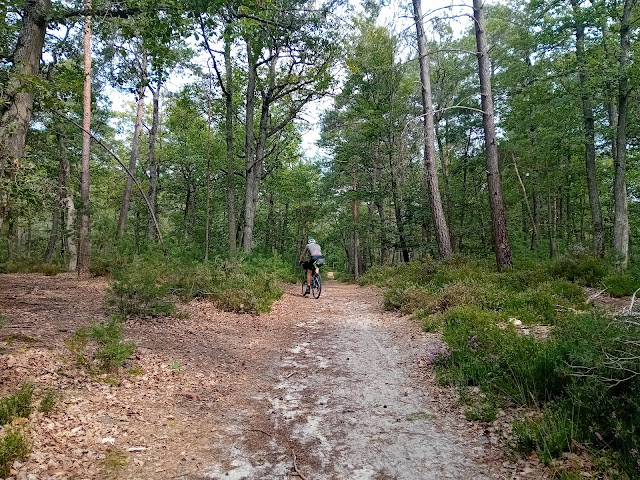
pixel 316 283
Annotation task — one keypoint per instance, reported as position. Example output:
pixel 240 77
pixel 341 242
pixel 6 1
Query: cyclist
pixel 310 258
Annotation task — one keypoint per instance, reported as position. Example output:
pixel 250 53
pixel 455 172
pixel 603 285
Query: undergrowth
pixel 581 373
pixel 31 265
pixel 99 347
pixel 14 443
pixel 149 285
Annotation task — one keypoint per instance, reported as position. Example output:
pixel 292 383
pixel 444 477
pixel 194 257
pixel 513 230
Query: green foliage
pixel 582 268
pixel 3 320
pixel 29 265
pixel 146 286
pixel 14 445
pixel 16 405
pixel 137 290
pixel 99 346
pixel 48 401
pixel 624 283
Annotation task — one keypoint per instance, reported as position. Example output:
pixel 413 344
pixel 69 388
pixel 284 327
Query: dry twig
pixel 295 467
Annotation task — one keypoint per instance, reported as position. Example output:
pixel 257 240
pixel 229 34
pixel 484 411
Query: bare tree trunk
pixel 526 198
pixel 247 239
pixel 133 159
pixel 16 116
pixel 499 222
pixel 356 236
pixel 68 204
pixel 55 215
pixel 154 169
pixel 231 196
pixel 430 167
pixel 208 193
pixel 551 210
pixel 621 221
pixel 589 134
pixel 84 247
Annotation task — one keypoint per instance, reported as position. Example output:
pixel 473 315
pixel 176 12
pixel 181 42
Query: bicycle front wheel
pixel 316 289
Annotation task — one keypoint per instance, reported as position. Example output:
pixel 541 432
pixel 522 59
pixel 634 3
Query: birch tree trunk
pixel 430 165
pixel 621 221
pixel 154 169
pixel 589 134
pixel 16 116
pixel 84 247
pixel 499 222
pixel 133 159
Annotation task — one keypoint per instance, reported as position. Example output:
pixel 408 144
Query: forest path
pixel 337 382
pixel 352 398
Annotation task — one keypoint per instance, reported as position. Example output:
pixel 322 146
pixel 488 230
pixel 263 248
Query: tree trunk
pixel 589 134
pixel 55 215
pixel 621 221
pixel 84 247
pixel 356 236
pixel 133 159
pixel 430 167
pixel 16 116
pixel 154 169
pixel 208 192
pixel 251 188
pixel 231 196
pixel 68 204
pixel 526 198
pixel 499 222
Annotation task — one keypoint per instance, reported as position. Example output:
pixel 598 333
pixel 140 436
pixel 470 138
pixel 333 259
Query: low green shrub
pixel 581 267
pixel 14 445
pixel 48 401
pixel 622 284
pixel 30 265
pixel 99 346
pixel 137 290
pixel 16 405
pixel 3 320
pixel 551 435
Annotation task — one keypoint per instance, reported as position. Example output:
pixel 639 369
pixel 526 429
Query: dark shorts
pixel 308 265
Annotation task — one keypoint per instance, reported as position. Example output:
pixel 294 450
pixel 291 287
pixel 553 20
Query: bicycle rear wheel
pixel 316 286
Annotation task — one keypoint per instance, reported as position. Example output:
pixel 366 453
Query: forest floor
pixel 332 388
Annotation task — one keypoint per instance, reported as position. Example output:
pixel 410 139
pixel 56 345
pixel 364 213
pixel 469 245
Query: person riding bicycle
pixel 310 258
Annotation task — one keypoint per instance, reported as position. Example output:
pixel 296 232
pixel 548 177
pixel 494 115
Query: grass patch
pixel 16 405
pixel 99 347
pixel 3 320
pixel 14 445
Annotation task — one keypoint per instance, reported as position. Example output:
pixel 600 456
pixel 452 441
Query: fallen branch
pixel 261 431
pixel 593 296
pixel 295 467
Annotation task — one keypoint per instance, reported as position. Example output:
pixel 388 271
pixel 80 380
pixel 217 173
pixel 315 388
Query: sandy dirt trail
pixel 336 383
pixel 353 397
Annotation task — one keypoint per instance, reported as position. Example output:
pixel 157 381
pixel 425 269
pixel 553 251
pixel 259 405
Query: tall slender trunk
pixel 16 116
pixel 526 198
pixel 68 205
pixel 356 235
pixel 396 197
pixel 498 219
pixel 55 214
pixel 154 168
pixel 208 192
pixel 247 239
pixel 621 220
pixel 430 167
pixel 231 196
pixel 133 159
pixel 552 217
pixel 589 133
pixel 84 246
